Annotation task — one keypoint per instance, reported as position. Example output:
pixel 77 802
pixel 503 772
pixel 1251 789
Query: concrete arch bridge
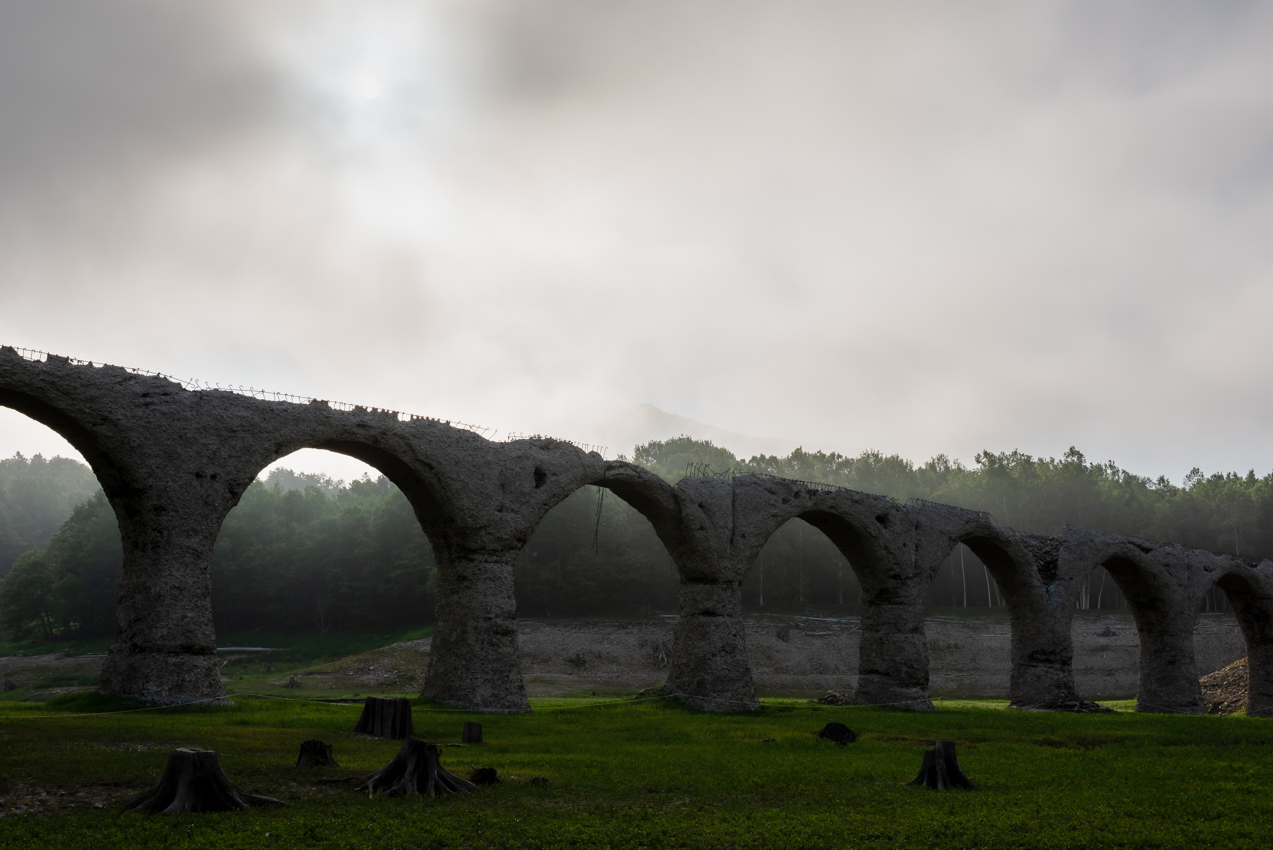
pixel 173 461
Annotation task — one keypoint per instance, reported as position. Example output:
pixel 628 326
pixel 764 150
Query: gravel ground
pixel 1224 691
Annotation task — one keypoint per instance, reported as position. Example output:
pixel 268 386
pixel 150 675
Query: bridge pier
pixel 165 648
pixel 893 653
pixel 473 659
pixel 1249 590
pixel 1168 671
pixel 710 668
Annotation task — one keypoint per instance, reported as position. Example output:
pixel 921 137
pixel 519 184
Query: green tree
pixel 26 597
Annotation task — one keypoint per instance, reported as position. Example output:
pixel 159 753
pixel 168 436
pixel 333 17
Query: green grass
pixel 654 774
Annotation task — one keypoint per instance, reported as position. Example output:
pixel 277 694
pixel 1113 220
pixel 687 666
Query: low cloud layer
pixel 915 227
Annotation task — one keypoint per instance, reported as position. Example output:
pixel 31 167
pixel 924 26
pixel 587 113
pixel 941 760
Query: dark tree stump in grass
pixel 484 776
pixel 472 733
pixel 839 733
pixel 940 769
pixel 416 769
pixel 314 753
pixel 385 718
pixel 194 782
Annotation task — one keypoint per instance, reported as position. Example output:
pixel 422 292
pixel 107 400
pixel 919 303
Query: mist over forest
pixel 302 552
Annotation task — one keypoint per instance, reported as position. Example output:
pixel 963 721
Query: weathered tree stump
pixel 472 733
pixel 416 769
pixel 484 776
pixel 839 733
pixel 292 682
pixel 314 753
pixel 194 782
pixel 940 769
pixel 385 718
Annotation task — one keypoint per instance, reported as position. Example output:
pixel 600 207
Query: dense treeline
pixel 36 496
pixel 300 552
pixel 306 552
pixel 1221 512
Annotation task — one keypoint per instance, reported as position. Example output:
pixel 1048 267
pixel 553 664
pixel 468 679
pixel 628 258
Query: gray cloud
pixel 919 227
pixel 90 89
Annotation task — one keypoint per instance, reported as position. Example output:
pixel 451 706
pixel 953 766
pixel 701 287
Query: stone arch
pixel 420 492
pixel 111 474
pixel 1025 567
pixel 1164 585
pixel 1249 589
pixel 724 524
pixel 1041 675
pixel 642 490
pixel 639 490
pixel 112 477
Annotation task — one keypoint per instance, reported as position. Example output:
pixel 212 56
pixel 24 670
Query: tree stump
pixel 10 685
pixel 484 776
pixel 940 769
pixel 839 733
pixel 314 753
pixel 292 682
pixel 416 769
pixel 385 718
pixel 194 782
pixel 472 733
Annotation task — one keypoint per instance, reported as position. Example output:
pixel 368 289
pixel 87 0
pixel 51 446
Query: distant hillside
pixel 36 497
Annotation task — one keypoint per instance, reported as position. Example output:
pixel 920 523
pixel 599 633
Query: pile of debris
pixel 1224 691
pixel 832 698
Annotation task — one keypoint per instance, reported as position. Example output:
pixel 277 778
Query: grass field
pixel 649 774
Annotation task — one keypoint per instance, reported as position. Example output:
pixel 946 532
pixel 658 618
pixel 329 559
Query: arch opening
pixel 68 429
pixel 1251 606
pixel 594 556
pixel 307 553
pixel 802 603
pixel 968 622
pixel 60 549
pixel 1138 584
pixel 802 571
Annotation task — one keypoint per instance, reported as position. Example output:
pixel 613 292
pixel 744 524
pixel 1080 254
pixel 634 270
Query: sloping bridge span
pixel 174 461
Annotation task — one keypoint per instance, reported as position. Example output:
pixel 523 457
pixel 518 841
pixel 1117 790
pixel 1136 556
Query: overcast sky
pixel 918 227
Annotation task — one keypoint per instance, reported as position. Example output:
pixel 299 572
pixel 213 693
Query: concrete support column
pixel 165 647
pixel 710 668
pixel 1043 656
pixel 1253 607
pixel 893 655
pixel 1259 654
pixel 473 660
pixel 1168 671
